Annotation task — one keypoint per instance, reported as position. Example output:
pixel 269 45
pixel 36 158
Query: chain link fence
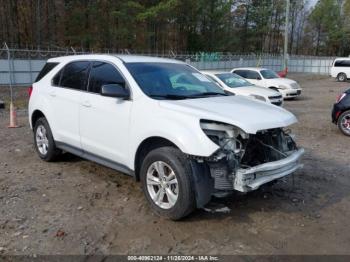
pixel 21 66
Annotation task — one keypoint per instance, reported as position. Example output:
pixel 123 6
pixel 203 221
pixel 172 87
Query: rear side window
pixel 342 63
pixel 248 74
pixel 74 75
pixel 47 68
pixel 103 74
pixel 253 75
pixel 242 73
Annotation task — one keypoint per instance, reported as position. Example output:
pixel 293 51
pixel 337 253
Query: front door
pixel 104 121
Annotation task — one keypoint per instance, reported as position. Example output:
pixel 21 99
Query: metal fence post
pixel 30 67
pixel 10 71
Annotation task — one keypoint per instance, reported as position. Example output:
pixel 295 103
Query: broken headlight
pixel 228 137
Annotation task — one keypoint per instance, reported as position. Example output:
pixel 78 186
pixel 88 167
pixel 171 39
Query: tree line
pixel 236 26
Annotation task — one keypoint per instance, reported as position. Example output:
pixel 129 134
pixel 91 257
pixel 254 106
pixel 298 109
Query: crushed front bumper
pixel 252 178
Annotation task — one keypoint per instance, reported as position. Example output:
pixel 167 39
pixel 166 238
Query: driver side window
pixel 103 74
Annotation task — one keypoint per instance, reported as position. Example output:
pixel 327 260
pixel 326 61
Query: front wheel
pixel 166 178
pixel 341 77
pixel 344 123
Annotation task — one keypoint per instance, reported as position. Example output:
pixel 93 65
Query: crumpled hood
pixel 247 114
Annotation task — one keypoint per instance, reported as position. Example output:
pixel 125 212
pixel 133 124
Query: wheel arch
pixel 35 116
pixel 340 113
pixel 145 147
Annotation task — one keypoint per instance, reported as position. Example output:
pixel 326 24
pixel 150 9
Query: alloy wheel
pixel 345 123
pixel 162 184
pixel 42 142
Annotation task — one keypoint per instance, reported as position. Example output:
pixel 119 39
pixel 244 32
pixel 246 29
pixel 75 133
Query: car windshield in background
pixel 172 81
pixel 269 74
pixel 233 80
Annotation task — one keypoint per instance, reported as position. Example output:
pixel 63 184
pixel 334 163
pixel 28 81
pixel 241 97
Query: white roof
pixel 342 58
pixel 124 58
pixel 250 68
pixel 214 72
pixel 140 59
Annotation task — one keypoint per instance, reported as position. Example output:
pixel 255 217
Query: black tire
pixel 52 151
pixel 173 157
pixel 342 77
pixel 341 117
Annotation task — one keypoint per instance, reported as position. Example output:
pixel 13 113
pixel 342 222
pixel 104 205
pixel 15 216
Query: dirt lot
pixel 77 207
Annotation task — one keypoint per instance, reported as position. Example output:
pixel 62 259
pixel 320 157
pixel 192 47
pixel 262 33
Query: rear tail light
pixel 30 90
pixel 340 97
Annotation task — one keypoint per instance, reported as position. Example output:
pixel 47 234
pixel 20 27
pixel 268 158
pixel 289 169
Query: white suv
pixel 162 122
pixel 270 79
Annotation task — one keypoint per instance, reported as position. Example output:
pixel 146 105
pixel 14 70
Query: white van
pixel 341 69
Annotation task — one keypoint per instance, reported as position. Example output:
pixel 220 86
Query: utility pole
pixel 286 36
pixel 38 25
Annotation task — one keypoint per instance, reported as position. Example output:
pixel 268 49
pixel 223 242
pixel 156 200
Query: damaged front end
pixel 246 161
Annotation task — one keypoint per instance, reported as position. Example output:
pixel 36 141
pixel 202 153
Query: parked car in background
pixel 162 122
pixel 341 112
pixel 341 69
pixel 235 84
pixel 270 79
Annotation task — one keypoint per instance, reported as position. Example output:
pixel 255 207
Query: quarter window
pixel 46 69
pixel 74 75
pixel 57 78
pixel 103 74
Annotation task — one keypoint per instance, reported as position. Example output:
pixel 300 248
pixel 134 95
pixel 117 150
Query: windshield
pixel 269 74
pixel 233 80
pixel 172 81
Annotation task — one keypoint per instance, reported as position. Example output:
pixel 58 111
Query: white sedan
pixel 237 85
pixel 269 79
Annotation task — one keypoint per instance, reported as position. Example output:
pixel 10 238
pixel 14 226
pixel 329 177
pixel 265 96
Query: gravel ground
pixel 78 207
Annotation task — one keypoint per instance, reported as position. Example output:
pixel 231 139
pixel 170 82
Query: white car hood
pixel 247 114
pixel 280 81
pixel 256 90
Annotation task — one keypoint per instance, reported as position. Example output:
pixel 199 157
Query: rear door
pixel 65 95
pixel 104 121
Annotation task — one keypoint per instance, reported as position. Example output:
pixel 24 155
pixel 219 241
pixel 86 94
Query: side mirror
pixel 115 90
pixel 258 78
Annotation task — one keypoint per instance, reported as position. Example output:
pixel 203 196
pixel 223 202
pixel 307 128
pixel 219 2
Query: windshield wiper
pixel 209 94
pixel 169 96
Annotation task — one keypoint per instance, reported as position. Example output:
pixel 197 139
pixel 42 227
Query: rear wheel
pixel 342 77
pixel 344 123
pixel 43 140
pixel 166 178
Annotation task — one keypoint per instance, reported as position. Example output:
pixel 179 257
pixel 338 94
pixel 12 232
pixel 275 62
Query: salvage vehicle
pixel 235 84
pixel 270 79
pixel 162 122
pixel 341 112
